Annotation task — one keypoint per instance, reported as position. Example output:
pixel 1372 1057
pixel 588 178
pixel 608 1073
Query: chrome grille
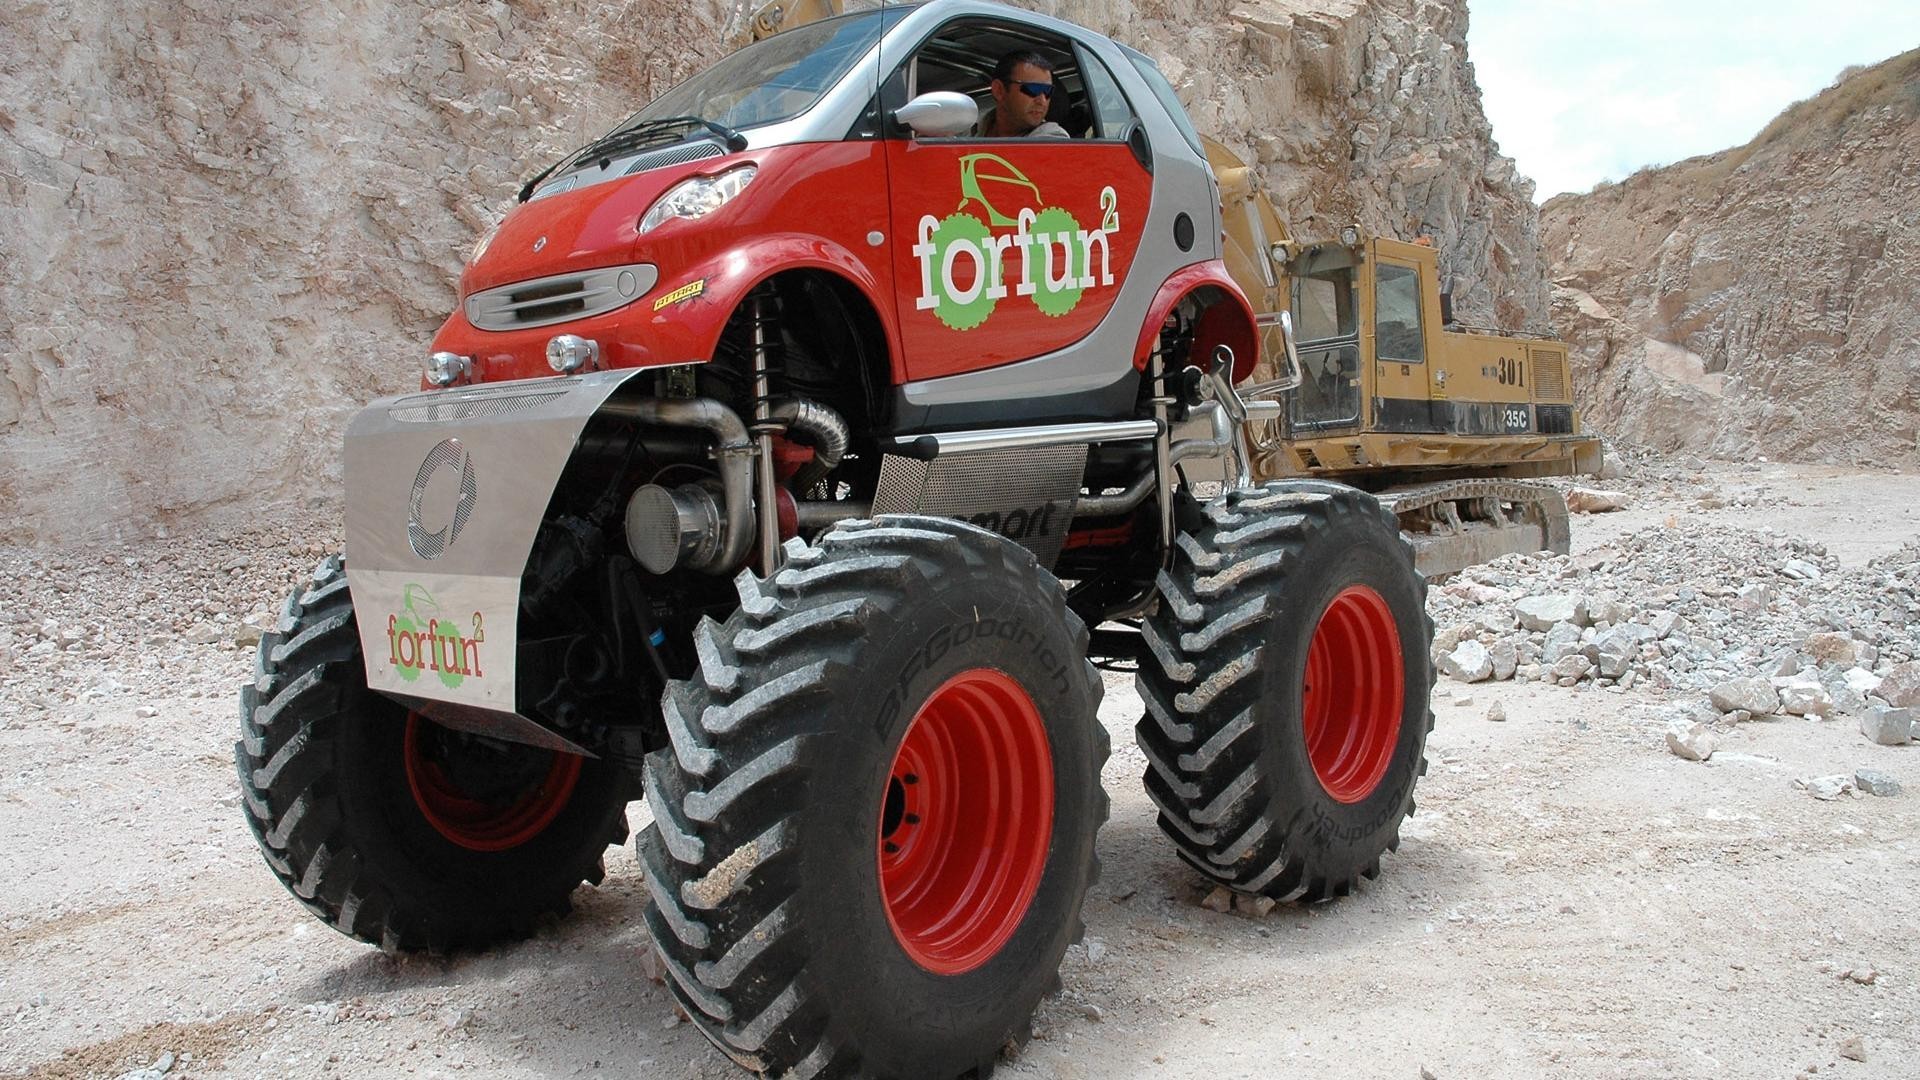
pixel 562 297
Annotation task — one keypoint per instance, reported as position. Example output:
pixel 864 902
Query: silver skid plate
pixel 445 493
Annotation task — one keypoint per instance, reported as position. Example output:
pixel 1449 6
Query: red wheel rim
pixel 512 812
pixel 1354 694
pixel 966 821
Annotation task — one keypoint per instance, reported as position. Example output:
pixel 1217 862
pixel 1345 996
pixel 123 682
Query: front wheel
pixel 393 829
pixel 874 829
pixel 1287 690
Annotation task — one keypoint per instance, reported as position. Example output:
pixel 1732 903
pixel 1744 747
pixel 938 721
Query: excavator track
pixel 1455 524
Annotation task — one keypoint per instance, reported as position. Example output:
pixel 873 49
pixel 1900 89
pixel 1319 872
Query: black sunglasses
pixel 1035 89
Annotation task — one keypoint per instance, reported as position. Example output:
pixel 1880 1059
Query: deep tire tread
pixel 1200 732
pixel 736 758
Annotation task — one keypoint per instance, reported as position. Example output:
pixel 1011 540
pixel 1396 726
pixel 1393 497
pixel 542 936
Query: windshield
pixel 775 79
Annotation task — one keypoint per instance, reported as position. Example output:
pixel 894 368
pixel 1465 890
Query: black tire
pixel 1228 711
pixel 324 777
pixel 764 862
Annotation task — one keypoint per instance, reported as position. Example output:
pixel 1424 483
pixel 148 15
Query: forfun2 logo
pixel 963 261
pixel 420 639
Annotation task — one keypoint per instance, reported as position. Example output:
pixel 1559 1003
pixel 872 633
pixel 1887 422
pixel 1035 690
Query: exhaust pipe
pixel 685 525
pixel 695 527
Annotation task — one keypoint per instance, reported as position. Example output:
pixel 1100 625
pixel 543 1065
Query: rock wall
pixel 1764 300
pixel 1356 111
pixel 229 222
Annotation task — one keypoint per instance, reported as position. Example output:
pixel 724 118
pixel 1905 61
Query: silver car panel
pixel 445 493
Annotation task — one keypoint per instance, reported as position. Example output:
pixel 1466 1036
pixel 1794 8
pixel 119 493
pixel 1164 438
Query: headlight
pixel 698 197
pixel 445 368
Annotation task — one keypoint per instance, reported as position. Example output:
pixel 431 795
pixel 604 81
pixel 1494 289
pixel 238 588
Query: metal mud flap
pixel 445 494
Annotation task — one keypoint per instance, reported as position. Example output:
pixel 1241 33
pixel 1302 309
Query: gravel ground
pixel 1572 899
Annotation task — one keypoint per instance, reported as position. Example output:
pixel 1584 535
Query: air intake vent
pixel 589 171
pixel 548 300
pixel 444 405
pixel 672 155
pixel 1549 374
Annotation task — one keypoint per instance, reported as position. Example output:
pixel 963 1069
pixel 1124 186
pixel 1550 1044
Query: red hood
pixel 576 230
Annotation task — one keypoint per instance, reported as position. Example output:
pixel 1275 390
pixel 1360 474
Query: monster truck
pixel 787 458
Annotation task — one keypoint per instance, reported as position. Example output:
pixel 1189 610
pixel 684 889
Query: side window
pixel 961 56
pixel 1396 320
pixel 1111 113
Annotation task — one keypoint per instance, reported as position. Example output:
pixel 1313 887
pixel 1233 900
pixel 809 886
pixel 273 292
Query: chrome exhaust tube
pixel 1137 492
pixel 1240 411
pixel 825 431
pixel 814 516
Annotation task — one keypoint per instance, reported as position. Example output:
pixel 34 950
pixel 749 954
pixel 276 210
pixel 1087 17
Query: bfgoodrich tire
pixel 874 828
pixel 391 828
pixel 1287 690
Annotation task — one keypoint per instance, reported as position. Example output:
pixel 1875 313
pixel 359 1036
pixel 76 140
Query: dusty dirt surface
pixel 1571 900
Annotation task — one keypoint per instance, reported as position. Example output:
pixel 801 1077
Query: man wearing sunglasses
pixel 1022 90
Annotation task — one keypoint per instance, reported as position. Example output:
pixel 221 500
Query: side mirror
pixel 941 112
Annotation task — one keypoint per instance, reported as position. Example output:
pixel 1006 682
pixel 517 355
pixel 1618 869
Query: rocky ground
pixel 1576 896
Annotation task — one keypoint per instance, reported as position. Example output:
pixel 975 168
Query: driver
pixel 1022 89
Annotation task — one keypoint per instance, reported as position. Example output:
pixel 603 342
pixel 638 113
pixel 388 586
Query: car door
pixel 1008 249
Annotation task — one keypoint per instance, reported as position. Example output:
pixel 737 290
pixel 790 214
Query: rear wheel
pixel 396 830
pixel 1287 690
pixel 874 829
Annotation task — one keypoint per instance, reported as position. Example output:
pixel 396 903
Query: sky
pixel 1581 91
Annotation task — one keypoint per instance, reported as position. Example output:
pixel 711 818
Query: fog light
pixel 445 368
pixel 569 353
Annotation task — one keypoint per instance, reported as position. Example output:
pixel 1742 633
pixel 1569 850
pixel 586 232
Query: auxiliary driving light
pixel 1350 236
pixel 569 353
pixel 445 368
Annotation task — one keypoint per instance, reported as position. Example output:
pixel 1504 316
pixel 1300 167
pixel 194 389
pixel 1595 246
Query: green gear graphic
pixel 1055 222
pixel 405 626
pixel 955 228
pixel 415 621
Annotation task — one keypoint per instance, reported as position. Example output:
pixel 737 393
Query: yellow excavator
pixel 1446 424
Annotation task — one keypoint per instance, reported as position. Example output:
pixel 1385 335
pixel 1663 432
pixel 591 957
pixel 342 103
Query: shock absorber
pixel 766 509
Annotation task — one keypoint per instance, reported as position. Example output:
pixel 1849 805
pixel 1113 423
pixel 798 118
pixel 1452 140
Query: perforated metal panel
pixel 1549 374
pixel 1025 495
pixel 443 406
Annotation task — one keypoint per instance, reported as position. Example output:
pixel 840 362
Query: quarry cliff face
pixel 1762 301
pixel 231 222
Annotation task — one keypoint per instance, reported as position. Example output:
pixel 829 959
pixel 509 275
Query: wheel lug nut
pixel 913 819
pixel 892 847
pixel 910 778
